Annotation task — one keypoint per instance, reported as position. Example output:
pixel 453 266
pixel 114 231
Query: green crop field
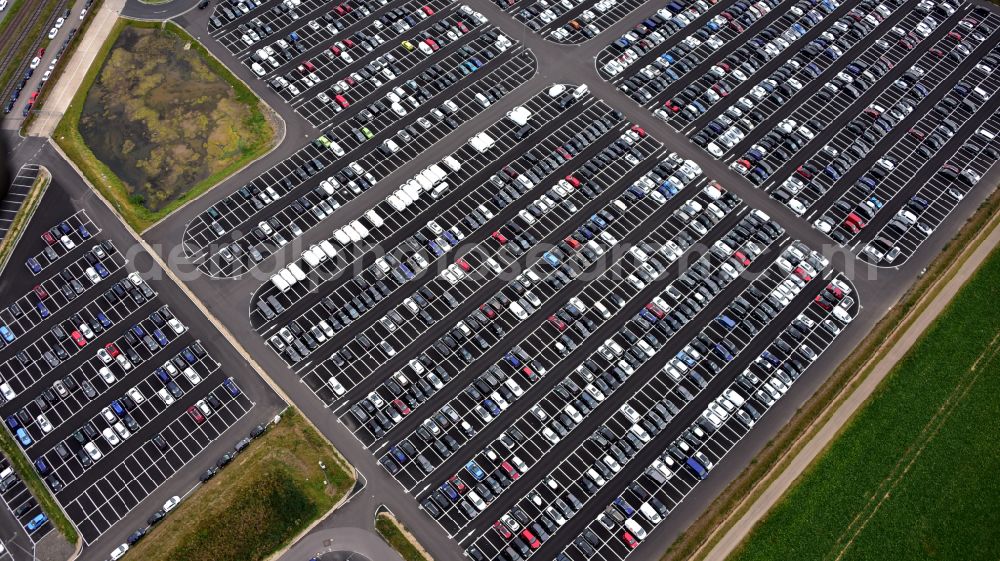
pixel 914 474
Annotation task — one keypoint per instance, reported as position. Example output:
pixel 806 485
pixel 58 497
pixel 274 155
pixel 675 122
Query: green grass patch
pixel 256 505
pixel 390 530
pixel 912 475
pixel 183 122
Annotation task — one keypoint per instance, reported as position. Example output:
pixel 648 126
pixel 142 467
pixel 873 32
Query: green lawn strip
pixel 397 539
pixel 39 28
pixel 742 491
pixel 270 493
pixel 68 136
pixel 27 210
pixel 955 472
pixel 60 68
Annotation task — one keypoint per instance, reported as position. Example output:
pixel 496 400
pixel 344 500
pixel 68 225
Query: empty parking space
pixel 16 193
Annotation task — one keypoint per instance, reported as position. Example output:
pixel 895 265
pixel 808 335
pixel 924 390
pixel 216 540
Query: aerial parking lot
pixel 110 387
pixel 833 108
pixel 547 273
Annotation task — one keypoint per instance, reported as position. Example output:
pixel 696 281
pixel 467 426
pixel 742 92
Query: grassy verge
pixel 60 68
pixel 742 491
pixel 392 532
pixel 271 492
pixel 22 50
pixel 68 136
pixel 912 475
pixel 23 215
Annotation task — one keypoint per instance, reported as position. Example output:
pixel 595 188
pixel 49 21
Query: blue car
pixel 449 237
pixel 117 408
pixel 42 310
pixel 626 508
pixel 231 387
pixel 491 406
pixel 406 271
pixel 84 233
pixel 138 330
pixel 12 422
pixel 104 320
pixel 447 489
pixel 8 335
pixel 398 455
pixel 160 337
pixel 552 260
pixel 101 270
pixel 476 471
pixel 24 438
pixel 435 248
pixel 188 356
pixel 36 522
pixel 162 375
pixel 512 360
pixel 33 264
pixel 41 467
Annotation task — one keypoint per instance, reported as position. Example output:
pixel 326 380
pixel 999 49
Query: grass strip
pixel 259 503
pixel 733 501
pixel 23 48
pixel 67 134
pixel 67 56
pixel 23 215
pixel 910 475
pixel 398 538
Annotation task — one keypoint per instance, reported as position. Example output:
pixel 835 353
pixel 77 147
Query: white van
pixel 482 142
pixel 439 190
pixel 374 218
pixel 296 272
pixel 519 115
pixel 309 257
pixel 341 236
pixel 287 276
pixel 328 249
pixel 650 513
pixel 635 529
pixel 452 163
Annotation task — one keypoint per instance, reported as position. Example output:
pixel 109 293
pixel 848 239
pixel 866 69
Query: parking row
pixel 22 505
pixel 564 407
pixel 661 485
pixel 782 87
pixel 409 56
pixel 413 199
pixel 56 292
pixel 900 163
pixel 70 394
pixel 317 204
pixel 277 17
pixel 599 458
pixel 569 21
pixel 68 337
pixel 501 314
pixel 838 97
pixel 108 499
pixel 462 219
pixel 77 229
pixel 898 239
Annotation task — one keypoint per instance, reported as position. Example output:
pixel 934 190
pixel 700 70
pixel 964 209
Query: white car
pixel 93 451
pixel 44 424
pixel 171 503
pixel 176 326
pixel 111 437
pixel 119 551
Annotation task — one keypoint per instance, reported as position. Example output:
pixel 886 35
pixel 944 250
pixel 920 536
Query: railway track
pixel 14 37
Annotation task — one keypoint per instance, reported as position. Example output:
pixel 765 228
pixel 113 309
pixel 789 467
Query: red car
pixel 572 242
pixel 557 323
pixel 428 10
pixel 510 470
pixel 488 310
pixel 401 407
pixel 837 293
pixel 562 152
pixel 533 542
pixel 78 338
pixel 803 172
pixel 335 50
pixel 629 540
pixel 41 51
pixel 344 104
pixel 463 264
pixel 655 310
pixel 502 530
pixel 432 44
pixel 196 414
pixel 802 274
pixel 500 238
pixel 40 292
pixel 457 483
pixel 349 44
pixel 822 303
pixel 572 181
pixel 639 131
pixel 112 350
pixel 49 238
pixel 529 374
pixel 461 27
